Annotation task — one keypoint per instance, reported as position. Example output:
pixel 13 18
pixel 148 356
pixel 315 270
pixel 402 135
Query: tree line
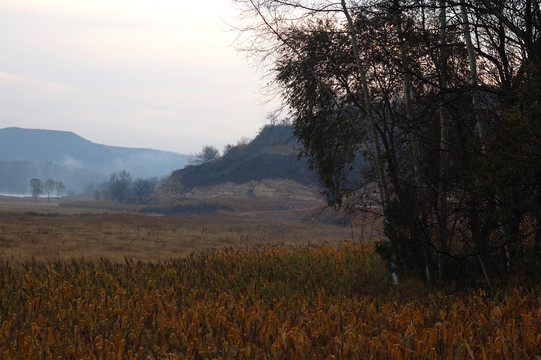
pixel 435 102
pixel 210 153
pixel 122 188
pixel 51 187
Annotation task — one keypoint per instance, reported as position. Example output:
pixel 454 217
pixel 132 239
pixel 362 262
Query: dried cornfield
pixel 313 302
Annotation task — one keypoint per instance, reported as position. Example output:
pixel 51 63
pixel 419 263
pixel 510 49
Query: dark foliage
pixel 437 105
pixel 271 155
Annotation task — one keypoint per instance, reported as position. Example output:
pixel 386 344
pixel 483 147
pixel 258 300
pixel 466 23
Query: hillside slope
pixel 271 155
pixel 62 155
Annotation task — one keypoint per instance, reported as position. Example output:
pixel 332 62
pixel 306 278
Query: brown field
pixel 71 287
pixel 45 231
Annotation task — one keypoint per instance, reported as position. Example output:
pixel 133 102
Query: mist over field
pixel 79 163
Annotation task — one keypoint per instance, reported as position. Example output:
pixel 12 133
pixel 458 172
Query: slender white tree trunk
pixel 407 91
pixel 368 108
pixel 382 183
pixel 405 65
pixel 473 71
pixel 475 97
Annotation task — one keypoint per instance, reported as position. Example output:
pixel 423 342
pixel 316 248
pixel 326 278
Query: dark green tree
pixel 512 163
pixel 207 154
pixel 426 101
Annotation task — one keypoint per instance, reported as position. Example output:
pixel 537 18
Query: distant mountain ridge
pixel 15 176
pixel 76 161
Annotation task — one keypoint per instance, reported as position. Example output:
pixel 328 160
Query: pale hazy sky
pixel 141 73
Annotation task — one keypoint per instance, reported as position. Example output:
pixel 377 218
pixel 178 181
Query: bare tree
pixel 207 154
pixel 142 188
pixel 50 185
pixel 119 186
pixel 37 187
pixel 59 189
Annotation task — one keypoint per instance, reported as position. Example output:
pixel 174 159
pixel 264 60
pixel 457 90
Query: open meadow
pixel 45 232
pixel 81 284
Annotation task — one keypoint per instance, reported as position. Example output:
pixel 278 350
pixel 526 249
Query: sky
pixel 159 74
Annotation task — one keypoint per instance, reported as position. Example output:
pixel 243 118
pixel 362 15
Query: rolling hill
pixel 271 155
pixel 77 162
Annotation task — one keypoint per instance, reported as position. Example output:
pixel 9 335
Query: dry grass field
pixel 83 284
pixel 44 231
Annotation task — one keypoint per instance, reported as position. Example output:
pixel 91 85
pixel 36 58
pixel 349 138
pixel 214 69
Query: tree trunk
pixel 443 212
pixel 380 174
pixel 537 216
pixel 368 108
pixel 473 73
pixel 418 221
